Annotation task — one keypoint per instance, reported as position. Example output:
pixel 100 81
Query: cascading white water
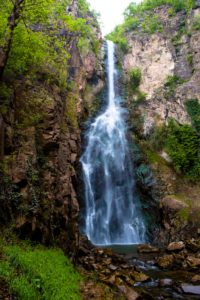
pixel 113 214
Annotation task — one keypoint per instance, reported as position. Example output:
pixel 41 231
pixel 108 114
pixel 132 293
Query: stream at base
pixel 162 284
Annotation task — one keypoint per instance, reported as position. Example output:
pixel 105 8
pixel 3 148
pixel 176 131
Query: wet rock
pixel 193 245
pixel 172 204
pixel 140 277
pixel 190 289
pixel 196 279
pixel 166 282
pixel 193 261
pixel 129 293
pixel 165 261
pixel 176 246
pixel 112 267
pixel 145 248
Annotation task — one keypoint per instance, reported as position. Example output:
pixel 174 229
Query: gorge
pixel 99 151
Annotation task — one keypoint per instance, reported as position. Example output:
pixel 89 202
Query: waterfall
pixel 113 214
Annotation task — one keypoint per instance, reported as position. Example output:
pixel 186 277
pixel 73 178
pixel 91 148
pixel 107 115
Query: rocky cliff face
pixel 172 52
pixel 40 148
pixel 169 60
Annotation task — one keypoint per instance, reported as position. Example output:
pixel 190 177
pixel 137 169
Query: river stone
pixel 140 277
pixel 166 282
pixel 176 246
pixel 190 289
pixel 165 261
pixel 193 245
pixel 193 261
pixel 146 248
pixel 195 278
pixel 172 204
pixel 129 293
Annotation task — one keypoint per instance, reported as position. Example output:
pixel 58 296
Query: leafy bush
pixel 135 78
pixel 151 24
pixel 158 137
pixel 117 36
pixel 183 146
pixel 193 109
pixel 38 43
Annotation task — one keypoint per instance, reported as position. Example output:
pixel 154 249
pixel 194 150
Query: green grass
pixel 35 273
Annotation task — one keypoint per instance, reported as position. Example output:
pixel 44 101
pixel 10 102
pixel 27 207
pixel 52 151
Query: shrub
pixel 135 76
pixel 117 36
pixel 158 137
pixel 183 146
pixel 151 24
pixel 193 109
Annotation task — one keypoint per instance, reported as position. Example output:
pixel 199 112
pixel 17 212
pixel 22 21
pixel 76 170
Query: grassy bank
pixel 36 272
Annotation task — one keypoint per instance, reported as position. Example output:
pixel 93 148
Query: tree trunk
pixel 12 23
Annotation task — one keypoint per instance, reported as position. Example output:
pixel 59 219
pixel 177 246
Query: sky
pixel 111 12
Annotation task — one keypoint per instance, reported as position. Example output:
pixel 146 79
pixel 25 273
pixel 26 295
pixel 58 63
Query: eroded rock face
pixel 153 56
pixel 164 54
pixel 169 62
pixel 41 155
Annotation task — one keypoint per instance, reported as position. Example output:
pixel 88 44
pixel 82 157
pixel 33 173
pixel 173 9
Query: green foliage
pixel 23 289
pixel 146 5
pixel 190 59
pixel 5 10
pixel 83 7
pixel 140 97
pixel 184 214
pixel 30 50
pixel 144 22
pixel 135 76
pixel 193 109
pixel 171 84
pixel 38 45
pixel 39 273
pixel 32 107
pixel 117 36
pixel 183 146
pixel 196 23
pixel 158 137
pixel 151 24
